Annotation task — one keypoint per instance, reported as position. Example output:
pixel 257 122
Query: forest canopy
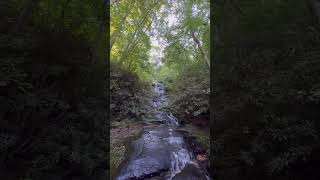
pixel 162 40
pixel 158 42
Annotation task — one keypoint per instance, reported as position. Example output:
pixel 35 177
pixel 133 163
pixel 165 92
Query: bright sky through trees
pixel 158 44
pixel 148 34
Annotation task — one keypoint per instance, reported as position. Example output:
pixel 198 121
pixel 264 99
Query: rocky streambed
pixel 161 151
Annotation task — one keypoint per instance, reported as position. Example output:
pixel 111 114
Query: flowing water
pixel 160 152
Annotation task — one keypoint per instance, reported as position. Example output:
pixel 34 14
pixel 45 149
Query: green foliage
pixel 132 44
pixel 265 85
pixel 184 71
pixel 168 74
pixel 130 55
pixel 191 91
pixel 53 101
pixel 130 97
pixel 51 115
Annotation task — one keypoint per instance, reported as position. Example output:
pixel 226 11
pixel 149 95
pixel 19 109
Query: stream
pixel 161 152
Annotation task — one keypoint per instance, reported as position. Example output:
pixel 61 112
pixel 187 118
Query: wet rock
pixel 161 151
pixel 145 167
pixel 150 156
pixel 202 157
pixel 155 122
pixel 190 172
pixel 183 132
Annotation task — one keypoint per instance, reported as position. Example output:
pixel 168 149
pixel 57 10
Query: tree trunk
pixel 101 29
pixel 204 54
pixel 115 34
pixel 134 35
pixel 134 43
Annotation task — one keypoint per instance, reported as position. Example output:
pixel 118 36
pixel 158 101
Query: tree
pixel 204 54
pixel 115 34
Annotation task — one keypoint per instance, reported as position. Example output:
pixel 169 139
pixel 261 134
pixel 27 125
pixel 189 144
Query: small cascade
pixel 179 155
pixel 161 150
pixel 172 120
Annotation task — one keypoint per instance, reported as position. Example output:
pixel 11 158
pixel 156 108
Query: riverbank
pixel 165 149
pixel 198 141
pixel 121 135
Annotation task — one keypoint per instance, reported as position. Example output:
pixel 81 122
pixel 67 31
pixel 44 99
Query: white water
pixel 179 154
pixel 161 150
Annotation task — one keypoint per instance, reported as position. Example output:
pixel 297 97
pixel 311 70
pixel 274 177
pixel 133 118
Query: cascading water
pixel 160 151
pixel 179 155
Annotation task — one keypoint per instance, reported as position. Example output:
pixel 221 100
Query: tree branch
pixel 204 54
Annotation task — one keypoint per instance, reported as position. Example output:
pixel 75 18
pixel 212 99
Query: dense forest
pixel 69 69
pixel 265 90
pixel 152 42
pixel 55 62
pixel 185 57
pixel 53 83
